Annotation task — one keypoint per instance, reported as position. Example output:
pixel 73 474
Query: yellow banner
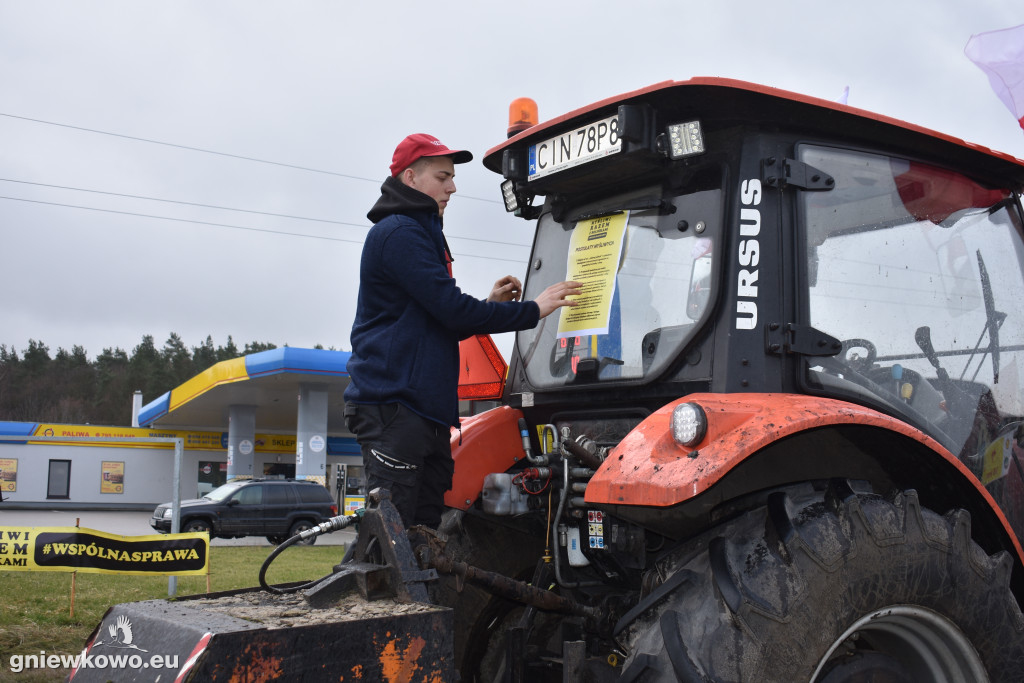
pixel 76 549
pixel 201 441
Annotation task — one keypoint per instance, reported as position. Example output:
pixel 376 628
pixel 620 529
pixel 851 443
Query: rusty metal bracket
pixel 383 540
pixel 382 564
pixel 510 588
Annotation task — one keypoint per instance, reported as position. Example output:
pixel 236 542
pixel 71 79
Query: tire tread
pixel 777 586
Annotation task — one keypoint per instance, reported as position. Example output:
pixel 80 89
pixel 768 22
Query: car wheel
pixel 298 528
pixel 196 526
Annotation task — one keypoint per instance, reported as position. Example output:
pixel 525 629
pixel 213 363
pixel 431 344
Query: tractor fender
pixel 649 468
pixel 490 442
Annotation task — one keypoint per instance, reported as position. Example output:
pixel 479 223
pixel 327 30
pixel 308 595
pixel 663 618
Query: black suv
pixel 275 508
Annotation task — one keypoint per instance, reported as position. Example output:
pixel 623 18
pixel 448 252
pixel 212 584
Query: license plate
pixel 583 145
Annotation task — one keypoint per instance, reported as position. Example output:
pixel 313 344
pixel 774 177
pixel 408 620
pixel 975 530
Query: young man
pixel 410 317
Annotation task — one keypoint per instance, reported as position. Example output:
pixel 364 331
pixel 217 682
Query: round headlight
pixel 168 513
pixel 689 424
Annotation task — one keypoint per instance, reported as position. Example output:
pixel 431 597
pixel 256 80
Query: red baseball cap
pixel 422 145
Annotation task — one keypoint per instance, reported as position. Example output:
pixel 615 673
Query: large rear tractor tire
pixel 834 586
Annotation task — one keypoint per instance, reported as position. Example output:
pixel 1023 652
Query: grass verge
pixel 36 606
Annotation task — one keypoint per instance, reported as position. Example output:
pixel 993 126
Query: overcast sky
pixel 325 90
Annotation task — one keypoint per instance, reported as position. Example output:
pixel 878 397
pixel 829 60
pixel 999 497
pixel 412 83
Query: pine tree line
pixel 69 388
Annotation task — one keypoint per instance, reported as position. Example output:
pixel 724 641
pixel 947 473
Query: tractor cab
pixel 735 238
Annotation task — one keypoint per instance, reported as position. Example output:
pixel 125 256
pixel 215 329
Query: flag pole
pixel 74 576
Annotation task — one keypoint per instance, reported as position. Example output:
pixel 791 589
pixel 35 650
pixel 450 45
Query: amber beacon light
pixel 522 114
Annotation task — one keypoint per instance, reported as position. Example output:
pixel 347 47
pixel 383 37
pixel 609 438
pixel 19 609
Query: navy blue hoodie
pixel 410 315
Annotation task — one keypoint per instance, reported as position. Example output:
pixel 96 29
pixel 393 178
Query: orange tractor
pixel 780 437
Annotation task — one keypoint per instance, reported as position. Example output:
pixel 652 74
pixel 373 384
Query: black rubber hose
pixel 583 455
pixel 266 565
pixel 333 524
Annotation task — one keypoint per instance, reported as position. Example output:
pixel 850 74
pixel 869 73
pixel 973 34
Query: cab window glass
pixel 657 266
pixel 917 270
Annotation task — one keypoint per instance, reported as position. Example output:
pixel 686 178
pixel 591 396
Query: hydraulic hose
pixel 524 433
pixel 585 457
pixel 333 524
pixel 558 518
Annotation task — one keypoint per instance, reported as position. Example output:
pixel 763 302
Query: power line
pixel 228 208
pixel 177 201
pixel 210 151
pixel 225 225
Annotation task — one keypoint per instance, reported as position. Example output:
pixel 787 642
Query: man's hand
pixel 554 297
pixel 507 288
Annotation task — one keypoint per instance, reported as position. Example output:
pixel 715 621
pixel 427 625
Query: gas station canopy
pixel 270 381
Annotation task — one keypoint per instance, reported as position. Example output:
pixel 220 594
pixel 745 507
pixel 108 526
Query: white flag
pixel 1000 54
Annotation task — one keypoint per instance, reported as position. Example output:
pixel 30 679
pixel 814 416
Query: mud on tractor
pixel 780 438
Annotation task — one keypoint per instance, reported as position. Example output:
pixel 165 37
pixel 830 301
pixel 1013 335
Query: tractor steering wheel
pixel 851 357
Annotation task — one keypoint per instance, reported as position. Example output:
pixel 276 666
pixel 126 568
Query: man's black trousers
pixel 407 454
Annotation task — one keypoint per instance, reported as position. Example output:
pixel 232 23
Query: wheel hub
pixel 901 643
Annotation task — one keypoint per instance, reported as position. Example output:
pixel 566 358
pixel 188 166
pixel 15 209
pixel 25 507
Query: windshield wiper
pixel 993 321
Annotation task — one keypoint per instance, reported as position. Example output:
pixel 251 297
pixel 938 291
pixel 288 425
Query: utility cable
pixel 228 208
pixel 210 151
pixel 177 201
pixel 233 227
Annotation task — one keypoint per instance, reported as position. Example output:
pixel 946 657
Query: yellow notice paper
pixel 998 457
pixel 594 253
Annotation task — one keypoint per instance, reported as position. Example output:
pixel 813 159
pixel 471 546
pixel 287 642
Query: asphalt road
pixel 133 523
